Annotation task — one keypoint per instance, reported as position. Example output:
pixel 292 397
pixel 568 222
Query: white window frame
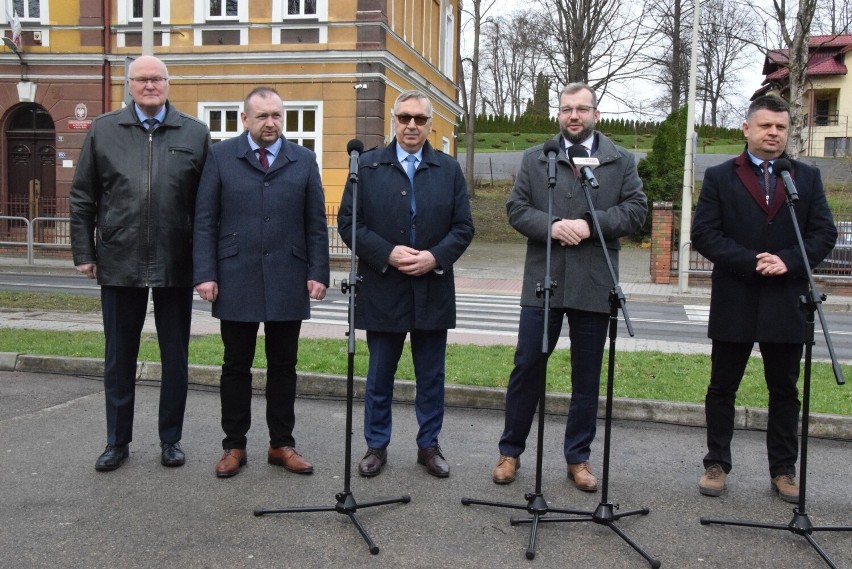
pixel 24 18
pixel 316 135
pixel 124 15
pixel 279 12
pixel 204 109
pixel 202 12
pixel 280 15
pixel 445 145
pixel 448 41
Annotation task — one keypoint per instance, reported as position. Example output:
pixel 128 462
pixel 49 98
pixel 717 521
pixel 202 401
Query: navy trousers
pixel 428 352
pixel 124 310
pixel 587 332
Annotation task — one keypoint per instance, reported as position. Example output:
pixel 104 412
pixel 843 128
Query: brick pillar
pixel 662 216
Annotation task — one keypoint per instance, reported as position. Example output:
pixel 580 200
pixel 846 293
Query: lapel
pixel 745 172
pixel 244 151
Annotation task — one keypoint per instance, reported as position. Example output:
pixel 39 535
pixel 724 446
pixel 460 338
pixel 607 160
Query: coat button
pixel 404 192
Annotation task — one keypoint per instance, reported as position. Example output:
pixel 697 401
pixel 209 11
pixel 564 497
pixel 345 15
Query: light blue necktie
pixel 409 169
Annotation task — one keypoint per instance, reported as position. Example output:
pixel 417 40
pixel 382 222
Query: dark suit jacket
pixel 389 301
pixel 733 224
pixel 260 235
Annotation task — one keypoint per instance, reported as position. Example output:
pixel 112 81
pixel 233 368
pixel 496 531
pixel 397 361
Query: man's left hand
pixel 316 290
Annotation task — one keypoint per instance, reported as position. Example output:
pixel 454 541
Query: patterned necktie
pixel 264 161
pixel 152 124
pixel 767 181
pixel 410 169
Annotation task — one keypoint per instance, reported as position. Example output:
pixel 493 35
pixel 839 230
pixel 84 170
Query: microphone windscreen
pixel 577 151
pixel 356 145
pixel 781 165
pixel 550 146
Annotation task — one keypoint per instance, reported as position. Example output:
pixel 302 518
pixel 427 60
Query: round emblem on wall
pixel 81 111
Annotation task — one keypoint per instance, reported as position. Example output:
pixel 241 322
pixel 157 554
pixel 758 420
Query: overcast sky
pixel 748 82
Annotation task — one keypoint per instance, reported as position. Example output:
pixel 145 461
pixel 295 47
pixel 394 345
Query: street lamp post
pixel 689 160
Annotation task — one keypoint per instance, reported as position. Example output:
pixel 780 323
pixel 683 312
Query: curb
pixel 326 385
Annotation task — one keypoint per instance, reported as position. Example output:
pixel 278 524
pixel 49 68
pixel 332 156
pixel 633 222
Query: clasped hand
pixel 412 262
pixel 570 231
pixel 770 265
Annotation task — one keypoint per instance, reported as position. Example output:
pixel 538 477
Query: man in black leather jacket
pixel 132 210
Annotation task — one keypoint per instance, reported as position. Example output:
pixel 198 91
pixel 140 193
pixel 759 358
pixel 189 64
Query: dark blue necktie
pixel 410 169
pixel 151 124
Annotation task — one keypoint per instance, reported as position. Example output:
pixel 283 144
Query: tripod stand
pixel 345 500
pixel 536 505
pixel 801 524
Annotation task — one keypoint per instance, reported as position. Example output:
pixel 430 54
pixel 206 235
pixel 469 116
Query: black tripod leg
pixel 819 550
pixel 653 562
pixel 374 549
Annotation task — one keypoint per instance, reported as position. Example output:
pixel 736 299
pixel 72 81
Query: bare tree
pixel 722 53
pixel 670 22
pixel 833 17
pixel 594 41
pixel 469 100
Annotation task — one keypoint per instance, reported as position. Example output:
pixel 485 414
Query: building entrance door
pixel 31 159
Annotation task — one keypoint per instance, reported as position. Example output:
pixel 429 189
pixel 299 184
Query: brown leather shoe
pixel 289 459
pixel 785 486
pixel 506 469
pixel 582 476
pixel 433 460
pixel 713 481
pixel 232 460
pixel 372 463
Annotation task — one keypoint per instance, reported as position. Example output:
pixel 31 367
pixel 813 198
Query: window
pixel 445 145
pixel 448 33
pixel 223 119
pixel 301 7
pixel 27 9
pixel 303 125
pixel 300 21
pixel 137 9
pixel 218 9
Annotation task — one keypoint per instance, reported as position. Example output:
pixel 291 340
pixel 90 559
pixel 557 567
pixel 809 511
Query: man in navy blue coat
pixel 260 254
pixel 413 222
pixel 742 225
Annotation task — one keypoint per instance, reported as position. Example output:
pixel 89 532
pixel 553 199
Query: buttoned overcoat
pixel 260 235
pixel 388 300
pixel 583 280
pixel 732 224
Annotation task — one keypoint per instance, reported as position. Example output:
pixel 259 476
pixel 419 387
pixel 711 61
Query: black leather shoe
pixel 373 461
pixel 112 458
pixel 434 461
pixel 172 454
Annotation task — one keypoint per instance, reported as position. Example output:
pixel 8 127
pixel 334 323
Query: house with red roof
pixel 827 99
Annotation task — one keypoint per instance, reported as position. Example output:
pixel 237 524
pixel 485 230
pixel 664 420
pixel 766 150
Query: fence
pixel 837 264
pixel 50 236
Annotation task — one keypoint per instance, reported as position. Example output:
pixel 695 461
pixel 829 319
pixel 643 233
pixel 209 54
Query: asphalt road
pixel 504 165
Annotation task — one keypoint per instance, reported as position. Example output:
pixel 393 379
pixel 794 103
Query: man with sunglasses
pixel 578 267
pixel 413 222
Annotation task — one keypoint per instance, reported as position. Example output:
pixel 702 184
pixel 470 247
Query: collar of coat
pixel 606 150
pixel 284 156
pixel 387 155
pixel 745 171
pixel 173 117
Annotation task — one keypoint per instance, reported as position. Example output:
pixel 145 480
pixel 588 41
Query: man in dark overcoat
pixel 741 224
pixel 413 223
pixel 260 255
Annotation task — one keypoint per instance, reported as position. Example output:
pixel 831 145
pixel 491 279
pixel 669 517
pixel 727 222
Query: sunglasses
pixel 419 120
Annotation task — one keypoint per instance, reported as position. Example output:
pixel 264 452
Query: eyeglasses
pixel 583 110
pixel 155 81
pixel 419 120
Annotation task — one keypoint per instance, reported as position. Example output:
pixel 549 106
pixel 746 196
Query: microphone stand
pixel 801 524
pixel 345 500
pixel 536 504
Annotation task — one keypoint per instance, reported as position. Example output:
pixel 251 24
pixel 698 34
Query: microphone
pixel 578 156
pixel 782 167
pixel 354 148
pixel 551 149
